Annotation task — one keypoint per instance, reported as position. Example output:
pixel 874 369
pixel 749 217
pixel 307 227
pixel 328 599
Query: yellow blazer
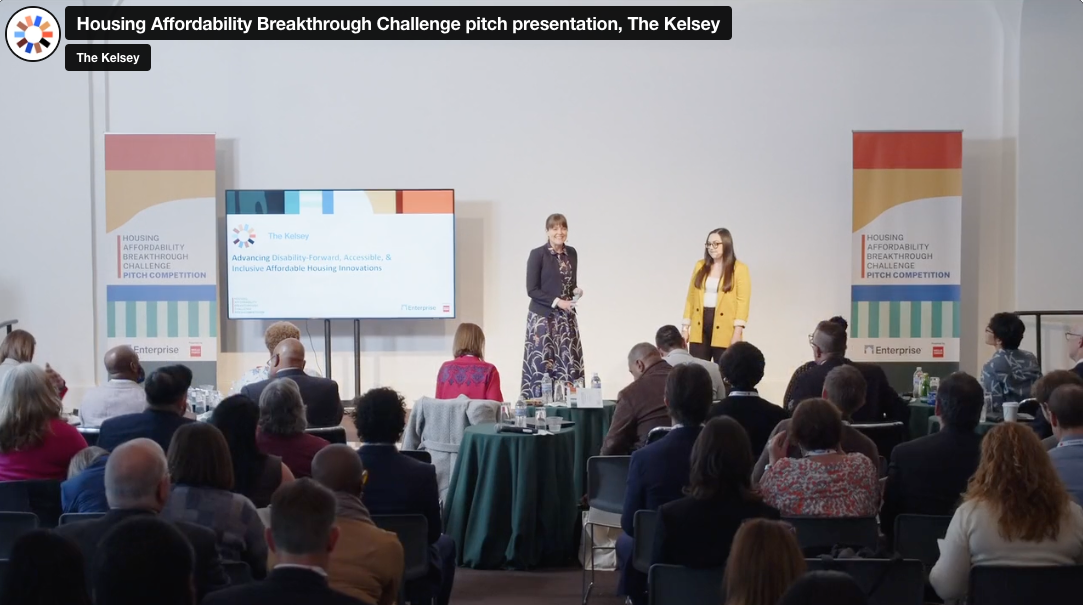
pixel 731 310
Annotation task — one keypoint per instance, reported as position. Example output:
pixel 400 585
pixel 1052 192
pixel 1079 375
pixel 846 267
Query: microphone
pixel 576 294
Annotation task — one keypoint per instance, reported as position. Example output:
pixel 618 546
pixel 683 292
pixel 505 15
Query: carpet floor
pixel 473 587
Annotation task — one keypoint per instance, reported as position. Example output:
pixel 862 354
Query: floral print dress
pixel 552 341
pixel 802 487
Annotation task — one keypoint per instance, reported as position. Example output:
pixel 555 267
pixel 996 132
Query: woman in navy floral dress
pixel 552 332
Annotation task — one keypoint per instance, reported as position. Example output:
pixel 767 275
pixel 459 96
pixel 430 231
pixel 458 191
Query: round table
pixel 591 427
pixel 512 500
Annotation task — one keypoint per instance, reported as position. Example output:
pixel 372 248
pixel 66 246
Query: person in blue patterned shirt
pixel 1010 372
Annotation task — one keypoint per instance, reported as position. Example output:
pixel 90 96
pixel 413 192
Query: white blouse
pixel 710 292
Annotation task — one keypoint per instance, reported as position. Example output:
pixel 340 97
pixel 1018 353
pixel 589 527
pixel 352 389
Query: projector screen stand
pixel 327 346
pixel 357 358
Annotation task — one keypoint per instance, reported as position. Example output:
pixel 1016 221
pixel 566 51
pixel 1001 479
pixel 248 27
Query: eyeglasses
pixel 272 360
pixel 1070 336
pixel 811 337
pixel 712 245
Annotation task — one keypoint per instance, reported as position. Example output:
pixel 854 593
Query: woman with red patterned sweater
pixel 469 374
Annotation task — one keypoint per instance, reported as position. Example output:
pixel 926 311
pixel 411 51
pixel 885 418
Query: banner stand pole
pixel 327 345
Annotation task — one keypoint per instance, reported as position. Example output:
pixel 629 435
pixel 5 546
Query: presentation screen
pixel 340 254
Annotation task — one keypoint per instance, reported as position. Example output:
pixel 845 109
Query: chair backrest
pixel 41 497
pixel 238 572
pixel 90 434
pixel 884 581
pixel 421 455
pixel 413 533
pixel 916 536
pixel 607 480
pixel 643 541
pixel 1003 585
pixel 67 518
pixel 815 533
pixel 657 433
pixel 3 574
pixel 886 435
pixel 676 585
pixel 333 434
pixel 12 526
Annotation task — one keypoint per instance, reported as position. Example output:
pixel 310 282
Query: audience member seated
pixel 826 482
pixel 398 484
pixel 697 530
pixel 764 562
pixel 844 386
pixel 18 347
pixel 742 365
pixel 1015 512
pixel 368 562
pixel 828 342
pixel 121 395
pixel 282 427
pixel 1075 350
pixel 84 491
pixel 323 406
pixel 788 399
pixel 272 337
pixel 1010 372
pixel 35 441
pixel 640 405
pixel 659 472
pixel 1066 416
pixel 825 588
pixel 144 560
pixel 928 475
pixel 674 351
pixel 1042 391
pixel 167 400
pixel 303 537
pixel 468 374
pixel 45 569
pixel 137 485
pixel 202 476
pixel 256 475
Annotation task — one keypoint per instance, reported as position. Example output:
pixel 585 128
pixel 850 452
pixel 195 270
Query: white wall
pixel 645 146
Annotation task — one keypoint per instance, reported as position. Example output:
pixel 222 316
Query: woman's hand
pixel 738 335
pixel 56 380
pixel 776 450
pixel 684 334
pixel 566 305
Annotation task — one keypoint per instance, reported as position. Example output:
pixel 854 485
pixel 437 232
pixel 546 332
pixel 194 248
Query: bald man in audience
pixel 122 394
pixel 323 406
pixel 641 405
pixel 137 484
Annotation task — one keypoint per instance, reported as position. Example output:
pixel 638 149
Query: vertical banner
pixel 161 277
pixel 907 230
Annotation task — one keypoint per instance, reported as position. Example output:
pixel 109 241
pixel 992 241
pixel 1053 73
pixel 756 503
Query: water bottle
pixel 925 386
pixel 520 413
pixel 934 386
pixel 595 382
pixel 919 378
pixel 547 390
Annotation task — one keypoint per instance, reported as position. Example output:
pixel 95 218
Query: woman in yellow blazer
pixel 716 309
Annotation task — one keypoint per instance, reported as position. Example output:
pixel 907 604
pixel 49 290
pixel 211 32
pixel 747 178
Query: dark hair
pixel 722 462
pixel 45 568
pixel 960 399
pixel 838 319
pixel 380 415
pixel 237 417
pixel 729 259
pixel 1067 404
pixel 825 588
pixel 554 220
pixel 167 385
pixel 302 515
pixel 668 338
pixel 1045 385
pixel 742 366
pixel 817 425
pixel 199 457
pixel 832 340
pixel 845 387
pixel 689 393
pixel 142 560
pixel 1008 329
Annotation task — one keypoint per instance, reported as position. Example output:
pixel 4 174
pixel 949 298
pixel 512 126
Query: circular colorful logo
pixel 244 237
pixel 33 33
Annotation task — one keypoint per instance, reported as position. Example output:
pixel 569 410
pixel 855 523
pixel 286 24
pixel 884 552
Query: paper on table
pixel 590 398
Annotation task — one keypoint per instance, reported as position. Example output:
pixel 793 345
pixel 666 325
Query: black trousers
pixel 704 350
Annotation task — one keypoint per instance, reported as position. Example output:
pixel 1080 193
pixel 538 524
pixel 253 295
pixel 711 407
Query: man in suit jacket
pixel 400 485
pixel 144 559
pixel 167 400
pixel 658 473
pixel 1066 416
pixel 1041 391
pixel 137 485
pixel 742 364
pixel 323 406
pixel 928 476
pixel 302 536
pixel 640 405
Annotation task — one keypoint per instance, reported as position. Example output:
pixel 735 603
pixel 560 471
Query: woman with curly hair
pixel 1016 511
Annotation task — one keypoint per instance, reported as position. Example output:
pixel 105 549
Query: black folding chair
pixel 818 535
pixel 657 433
pixel 1004 585
pixel 607 480
pixel 413 533
pixel 884 581
pixel 12 527
pixel 41 497
pixel 916 536
pixel 67 518
pixel 643 542
pixel 90 434
pixel 676 585
pixel 3 575
pixel 333 434
pixel 886 435
pixel 422 455
pixel 238 572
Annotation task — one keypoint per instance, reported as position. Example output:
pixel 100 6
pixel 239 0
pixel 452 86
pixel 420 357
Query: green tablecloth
pixel 591 427
pixel 919 419
pixel 512 501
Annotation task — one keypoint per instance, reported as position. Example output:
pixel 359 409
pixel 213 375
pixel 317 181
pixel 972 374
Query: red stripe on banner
pixel 159 152
pixel 863 256
pixel 118 255
pixel 913 150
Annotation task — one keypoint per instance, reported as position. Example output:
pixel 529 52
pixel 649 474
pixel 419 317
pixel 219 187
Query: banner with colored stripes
pixel 159 255
pixel 907 229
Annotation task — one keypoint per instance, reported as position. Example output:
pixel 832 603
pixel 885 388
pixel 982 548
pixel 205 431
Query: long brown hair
pixel 728 260
pixel 722 462
pixel 28 402
pixel 1017 480
pixel 764 561
pixel 19 345
pixel 469 340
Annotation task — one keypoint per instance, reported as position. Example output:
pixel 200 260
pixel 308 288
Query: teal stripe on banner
pixel 152 319
pixel 855 318
pixel 915 319
pixel 193 319
pixel 111 319
pixel 172 321
pixel 955 319
pixel 874 320
pixel 894 311
pixel 938 319
pixel 129 319
pixel 214 318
